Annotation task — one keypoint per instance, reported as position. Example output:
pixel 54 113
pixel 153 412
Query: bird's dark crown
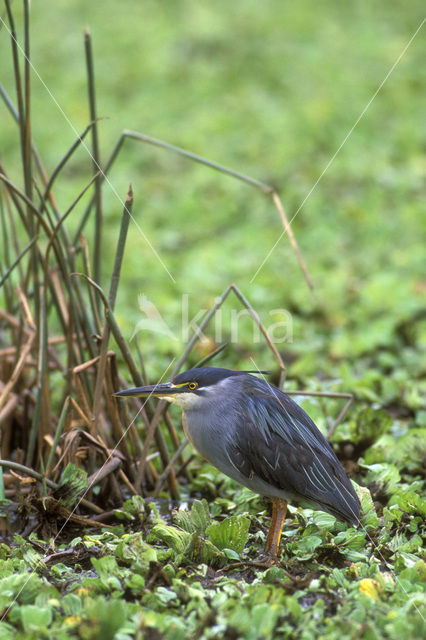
pixel 207 376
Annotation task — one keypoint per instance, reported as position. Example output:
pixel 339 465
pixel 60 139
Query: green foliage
pixel 385 475
pixel 21 586
pixel 73 483
pixel 195 521
pixel 410 502
pixel 198 539
pixel 166 587
pixel 368 512
pixel 270 89
pixel 108 572
pixel 133 510
pixel 35 618
pixel 231 533
pixel 103 619
pixel 174 538
pixel 409 452
pixel 370 425
pixel 135 552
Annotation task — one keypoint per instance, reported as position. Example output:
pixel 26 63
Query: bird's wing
pixel 277 441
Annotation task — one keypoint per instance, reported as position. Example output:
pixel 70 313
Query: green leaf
pixel 35 618
pixel 368 512
pixel 351 538
pixel 263 619
pixel 110 575
pixel 415 573
pixel 73 483
pixel 231 533
pixel 105 616
pixel 71 604
pixel 371 424
pixel 405 560
pixel 421 419
pixel 273 575
pixel 174 538
pixel 21 586
pixel 136 583
pixel 137 553
pixel 195 521
pixel 135 506
pixel 7 631
pixel 323 520
pixel 32 558
pixel 166 595
pixel 4 506
pixel 355 556
pixel 339 578
pixel 204 551
pixel 306 546
pixel 415 544
pixel 410 502
pixel 409 451
pixel 385 475
pixel 105 566
pixel 380 451
pixel 230 554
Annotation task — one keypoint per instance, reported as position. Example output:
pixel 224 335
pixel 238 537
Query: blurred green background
pixel 269 89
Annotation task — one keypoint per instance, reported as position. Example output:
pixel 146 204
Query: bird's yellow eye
pixel 192 386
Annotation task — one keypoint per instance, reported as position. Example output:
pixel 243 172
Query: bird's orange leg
pixel 279 511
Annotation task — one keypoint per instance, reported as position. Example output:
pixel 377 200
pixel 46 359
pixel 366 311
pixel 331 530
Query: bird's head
pixel 187 389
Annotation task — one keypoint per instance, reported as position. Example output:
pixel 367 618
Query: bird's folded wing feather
pixel 278 442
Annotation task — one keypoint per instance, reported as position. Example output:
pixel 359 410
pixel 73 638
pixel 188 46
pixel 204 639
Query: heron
pixel 256 434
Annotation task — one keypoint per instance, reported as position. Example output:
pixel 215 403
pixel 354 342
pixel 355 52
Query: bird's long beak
pixel 151 390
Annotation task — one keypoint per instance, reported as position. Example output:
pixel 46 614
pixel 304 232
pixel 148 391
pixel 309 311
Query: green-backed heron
pixel 257 435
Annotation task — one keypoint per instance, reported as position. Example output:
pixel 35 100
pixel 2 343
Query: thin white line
pixel 375 547
pixel 83 144
pixel 82 496
pixel 330 162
